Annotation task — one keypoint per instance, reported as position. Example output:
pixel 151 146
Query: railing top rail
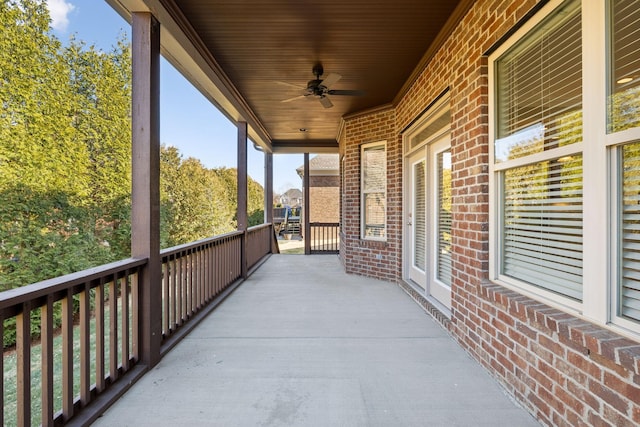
pixel 41 289
pixel 325 224
pixel 259 226
pixel 180 248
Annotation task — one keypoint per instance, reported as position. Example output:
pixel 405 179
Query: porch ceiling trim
pixel 302 146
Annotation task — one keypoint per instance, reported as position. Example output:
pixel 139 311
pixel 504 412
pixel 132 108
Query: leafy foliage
pixel 198 202
pixel 65 159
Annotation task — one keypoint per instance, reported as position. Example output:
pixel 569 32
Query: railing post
pixel 242 194
pixel 306 213
pixel 268 197
pixel 145 194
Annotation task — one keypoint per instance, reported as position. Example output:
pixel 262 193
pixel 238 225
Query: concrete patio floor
pixel 301 343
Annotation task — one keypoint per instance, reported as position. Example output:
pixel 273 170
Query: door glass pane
pixel 420 215
pixel 624 84
pixel 444 217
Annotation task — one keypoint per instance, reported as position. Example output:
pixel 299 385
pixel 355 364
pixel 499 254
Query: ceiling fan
pixel 319 89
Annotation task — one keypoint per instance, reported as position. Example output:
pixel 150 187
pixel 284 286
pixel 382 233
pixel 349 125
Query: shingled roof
pixel 329 163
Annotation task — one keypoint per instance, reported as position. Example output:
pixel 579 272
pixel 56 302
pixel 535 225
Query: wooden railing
pixel 194 274
pixel 89 355
pixel 325 237
pixel 98 311
pixel 258 243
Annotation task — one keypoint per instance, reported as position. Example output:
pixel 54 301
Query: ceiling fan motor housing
pixel 315 87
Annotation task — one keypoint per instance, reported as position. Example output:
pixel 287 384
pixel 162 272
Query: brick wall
pixel 324 198
pixel 366 257
pixel 564 370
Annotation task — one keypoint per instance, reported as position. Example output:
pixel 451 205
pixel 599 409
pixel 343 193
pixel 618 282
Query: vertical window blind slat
pixel 629 265
pixel 420 220
pixel 444 217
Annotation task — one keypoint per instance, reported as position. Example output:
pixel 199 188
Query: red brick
pixel 617 419
pixel 540 405
pixel 630 391
pixel 552 346
pixel 570 371
pixel 607 363
pixel 539 378
pixel 580 362
pixel 552 373
pixel 582 394
pixel 608 396
pixel 596 421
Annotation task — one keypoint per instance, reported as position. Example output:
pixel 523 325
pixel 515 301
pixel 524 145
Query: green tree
pixel 38 146
pixel 64 150
pixel 101 83
pixel 198 202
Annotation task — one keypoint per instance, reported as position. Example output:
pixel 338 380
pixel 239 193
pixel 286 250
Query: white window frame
pixel 611 142
pixel 496 169
pixel 363 219
pixel 598 150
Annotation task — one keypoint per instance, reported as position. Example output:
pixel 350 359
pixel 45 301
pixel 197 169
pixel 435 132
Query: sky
pixel 188 120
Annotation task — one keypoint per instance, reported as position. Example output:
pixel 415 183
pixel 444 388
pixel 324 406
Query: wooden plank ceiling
pixel 268 47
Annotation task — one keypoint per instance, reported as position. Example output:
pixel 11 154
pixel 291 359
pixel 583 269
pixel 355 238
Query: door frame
pixel 426 130
pixel 436 289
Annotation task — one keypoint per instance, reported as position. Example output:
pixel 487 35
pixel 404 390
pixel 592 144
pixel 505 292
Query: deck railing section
pixel 61 365
pixel 194 274
pixel 258 243
pixel 78 334
pixel 325 237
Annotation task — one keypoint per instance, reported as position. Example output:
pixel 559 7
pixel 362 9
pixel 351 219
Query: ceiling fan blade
pixel 331 79
pixel 326 102
pixel 293 99
pixel 300 87
pixel 346 92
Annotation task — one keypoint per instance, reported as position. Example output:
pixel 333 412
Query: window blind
pixel 420 213
pixel 624 84
pixel 374 180
pixel 539 89
pixel 542 225
pixel 629 301
pixel 444 217
pixel 374 171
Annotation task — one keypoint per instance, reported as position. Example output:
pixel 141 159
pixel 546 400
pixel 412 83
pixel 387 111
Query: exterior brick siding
pixel 564 370
pixel 324 203
pixel 324 198
pixel 372 258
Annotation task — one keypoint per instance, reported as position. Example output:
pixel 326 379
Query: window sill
pixel 587 338
pixel 374 244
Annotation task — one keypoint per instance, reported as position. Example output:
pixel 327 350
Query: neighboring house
pixel 324 188
pixel 292 197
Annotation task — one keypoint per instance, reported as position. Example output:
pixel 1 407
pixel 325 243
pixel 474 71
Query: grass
pixel 294 251
pixel 10 372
